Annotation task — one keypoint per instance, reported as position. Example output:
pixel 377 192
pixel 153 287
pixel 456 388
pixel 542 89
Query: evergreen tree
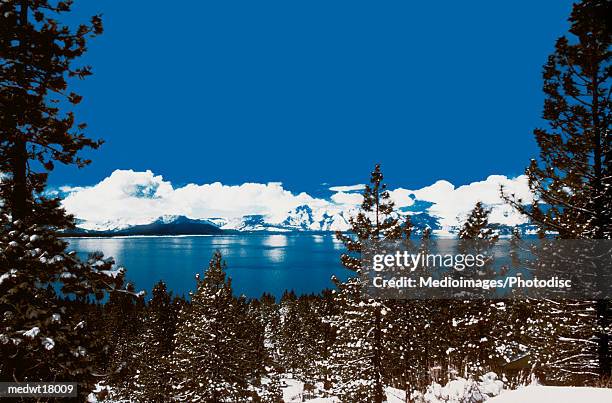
pixel 476 225
pixel 302 339
pixel 292 338
pixel 572 177
pixel 322 366
pixel 409 351
pixel 271 391
pixel 124 315
pixel 45 332
pixel 357 355
pixel 209 345
pixel 37 56
pixel 375 221
pixel 572 180
pixel 250 352
pixel 269 316
pixel 155 344
pixel 520 311
pixel 476 321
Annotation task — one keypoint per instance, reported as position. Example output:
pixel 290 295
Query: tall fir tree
pixel 357 356
pixel 215 342
pixel 572 180
pixel 154 347
pixel 44 333
pixel 124 314
pixel 476 321
pixel 270 319
pixel 38 129
pixel 409 352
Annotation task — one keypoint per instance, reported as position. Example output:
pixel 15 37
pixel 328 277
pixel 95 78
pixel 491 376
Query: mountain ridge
pixel 302 219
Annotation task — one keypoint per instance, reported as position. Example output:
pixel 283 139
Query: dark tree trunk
pixel 19 155
pixel 19 196
pixel 378 387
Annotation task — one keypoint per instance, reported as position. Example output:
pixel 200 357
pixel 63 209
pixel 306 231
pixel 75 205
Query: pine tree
pixel 209 344
pixel 302 339
pixel 155 343
pixel 572 180
pixel 45 329
pixel 327 310
pixel 357 355
pixel 476 320
pixel 375 221
pixel 270 319
pixel 45 332
pixel 250 352
pixel 520 311
pixel 476 225
pixel 291 338
pixel 270 391
pixel 125 315
pixel 409 351
pixel 38 56
pixel 572 177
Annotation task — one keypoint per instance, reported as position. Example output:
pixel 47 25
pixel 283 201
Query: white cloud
pixel 352 199
pixel 127 197
pixel 402 197
pixel 452 204
pixel 350 188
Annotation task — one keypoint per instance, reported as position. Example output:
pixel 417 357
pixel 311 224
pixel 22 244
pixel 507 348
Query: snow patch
pixel 556 394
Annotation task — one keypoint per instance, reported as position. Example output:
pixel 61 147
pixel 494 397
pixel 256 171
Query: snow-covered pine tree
pixel 572 180
pixel 155 343
pixel 515 326
pixel 289 335
pixel 442 334
pixel 45 331
pixel 409 349
pixel 326 310
pixel 250 336
pixel 357 355
pixel 476 225
pixel 409 352
pixel 302 339
pixel 315 336
pixel 361 323
pixel 291 338
pixel 124 314
pixel 269 317
pixel 375 221
pixel 476 320
pixel 205 363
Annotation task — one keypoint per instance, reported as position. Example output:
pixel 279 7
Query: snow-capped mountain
pixel 141 202
pixel 301 219
pixel 165 225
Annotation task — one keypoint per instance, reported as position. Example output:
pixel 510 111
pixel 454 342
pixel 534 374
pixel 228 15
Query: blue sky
pixel 316 92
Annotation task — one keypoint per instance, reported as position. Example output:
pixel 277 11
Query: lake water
pixel 257 263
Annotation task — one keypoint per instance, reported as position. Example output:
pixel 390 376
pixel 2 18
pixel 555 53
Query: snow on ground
pixel 554 394
pixel 456 391
pixel 464 390
pixel 293 392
